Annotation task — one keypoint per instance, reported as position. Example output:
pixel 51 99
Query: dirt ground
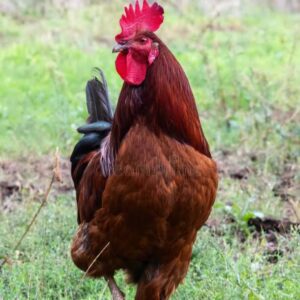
pixel 28 178
pixel 21 180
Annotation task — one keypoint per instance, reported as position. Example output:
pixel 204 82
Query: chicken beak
pixel 119 48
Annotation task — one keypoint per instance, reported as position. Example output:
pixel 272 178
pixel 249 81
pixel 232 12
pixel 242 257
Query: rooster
pixel 144 177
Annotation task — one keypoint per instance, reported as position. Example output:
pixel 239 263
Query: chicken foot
pixel 116 293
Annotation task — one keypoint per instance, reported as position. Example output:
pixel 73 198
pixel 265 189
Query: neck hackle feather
pixel 164 101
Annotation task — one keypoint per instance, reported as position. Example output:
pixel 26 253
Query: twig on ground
pixel 93 262
pixel 56 177
pixel 90 266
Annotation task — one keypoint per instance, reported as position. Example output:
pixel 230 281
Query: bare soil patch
pixel 28 178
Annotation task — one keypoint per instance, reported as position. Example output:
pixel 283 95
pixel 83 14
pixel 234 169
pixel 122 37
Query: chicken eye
pixel 143 40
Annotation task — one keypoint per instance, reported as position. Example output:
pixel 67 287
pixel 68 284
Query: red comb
pixel 149 18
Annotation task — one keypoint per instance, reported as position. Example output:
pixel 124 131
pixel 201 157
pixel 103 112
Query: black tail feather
pixel 97 99
pixel 99 121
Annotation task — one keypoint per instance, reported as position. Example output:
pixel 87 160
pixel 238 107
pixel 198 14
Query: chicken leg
pixel 116 293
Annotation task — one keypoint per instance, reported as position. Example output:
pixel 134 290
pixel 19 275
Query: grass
pixel 221 268
pixel 245 73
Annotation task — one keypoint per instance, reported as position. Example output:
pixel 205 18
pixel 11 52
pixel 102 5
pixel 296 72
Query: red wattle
pixel 131 70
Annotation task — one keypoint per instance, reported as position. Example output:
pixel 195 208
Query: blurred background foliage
pixel 243 61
